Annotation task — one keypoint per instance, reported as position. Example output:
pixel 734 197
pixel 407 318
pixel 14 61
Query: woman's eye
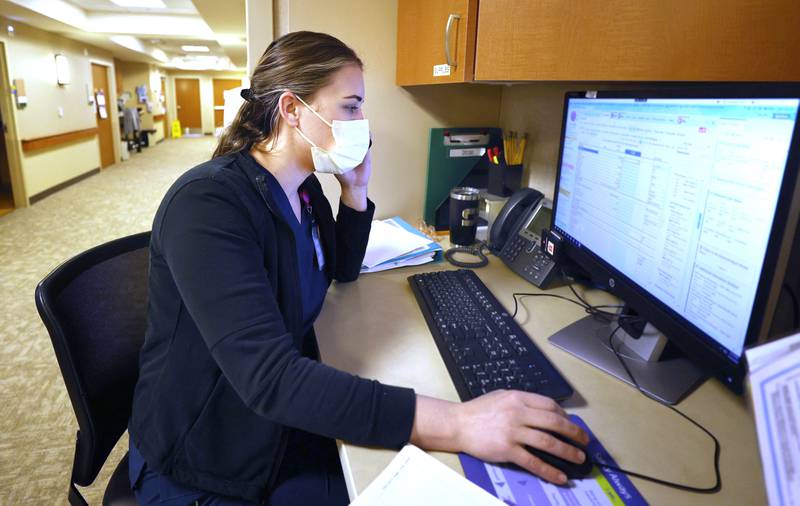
pixel 352 108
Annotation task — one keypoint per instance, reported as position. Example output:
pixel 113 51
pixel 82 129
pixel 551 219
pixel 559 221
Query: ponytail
pixel 252 125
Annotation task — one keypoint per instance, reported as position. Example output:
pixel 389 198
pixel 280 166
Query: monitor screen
pixel 678 195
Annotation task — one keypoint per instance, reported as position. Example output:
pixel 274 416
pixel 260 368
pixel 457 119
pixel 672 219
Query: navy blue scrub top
pixel 313 280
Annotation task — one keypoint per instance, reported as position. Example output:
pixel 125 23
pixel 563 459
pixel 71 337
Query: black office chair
pixel 95 308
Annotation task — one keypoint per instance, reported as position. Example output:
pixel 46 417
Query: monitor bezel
pixel 694 342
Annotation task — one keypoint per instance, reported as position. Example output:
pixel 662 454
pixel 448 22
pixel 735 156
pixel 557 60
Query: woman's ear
pixel 288 107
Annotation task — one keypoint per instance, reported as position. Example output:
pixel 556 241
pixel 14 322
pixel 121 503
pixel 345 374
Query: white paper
pixel 414 478
pixel 387 242
pixel 100 100
pixel 418 260
pixel 441 70
pixel 775 390
pixel 766 353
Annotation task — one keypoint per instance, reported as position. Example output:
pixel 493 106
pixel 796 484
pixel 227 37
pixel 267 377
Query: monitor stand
pixel 669 379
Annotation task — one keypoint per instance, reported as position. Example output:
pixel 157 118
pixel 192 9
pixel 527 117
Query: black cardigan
pixel 222 373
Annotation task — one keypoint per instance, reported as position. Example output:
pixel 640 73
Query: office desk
pixel 374 328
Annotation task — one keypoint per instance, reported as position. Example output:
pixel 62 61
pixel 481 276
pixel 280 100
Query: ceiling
pixel 146 34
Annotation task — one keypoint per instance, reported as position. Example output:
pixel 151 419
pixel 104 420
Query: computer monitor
pixel 683 203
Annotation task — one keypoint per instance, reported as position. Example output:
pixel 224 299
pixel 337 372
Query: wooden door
pixel 105 130
pixel 220 85
pixel 421 34
pixel 187 100
pixel 641 40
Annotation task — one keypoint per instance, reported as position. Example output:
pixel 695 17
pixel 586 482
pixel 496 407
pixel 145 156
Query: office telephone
pixel 516 237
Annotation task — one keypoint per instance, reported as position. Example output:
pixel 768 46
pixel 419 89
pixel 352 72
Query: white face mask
pixel 351 142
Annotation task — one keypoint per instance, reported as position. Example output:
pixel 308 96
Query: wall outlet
pixel 60 112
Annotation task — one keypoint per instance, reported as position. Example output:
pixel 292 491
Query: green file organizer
pixel 456 158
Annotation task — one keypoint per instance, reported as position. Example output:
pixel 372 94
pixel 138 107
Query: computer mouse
pixel 571 469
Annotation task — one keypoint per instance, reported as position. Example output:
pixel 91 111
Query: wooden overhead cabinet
pixel 614 40
pixel 435 41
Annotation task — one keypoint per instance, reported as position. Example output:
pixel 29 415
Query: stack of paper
pixel 394 243
pixel 775 389
pixel 414 478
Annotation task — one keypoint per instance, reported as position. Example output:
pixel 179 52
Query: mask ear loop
pixel 312 110
pixel 306 138
pixel 315 113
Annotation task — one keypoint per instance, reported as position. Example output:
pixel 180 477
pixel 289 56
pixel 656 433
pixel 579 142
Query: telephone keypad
pixel 533 264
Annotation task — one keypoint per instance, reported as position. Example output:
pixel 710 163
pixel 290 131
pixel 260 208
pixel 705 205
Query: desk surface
pixel 374 328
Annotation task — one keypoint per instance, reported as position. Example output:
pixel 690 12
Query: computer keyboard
pixel 483 348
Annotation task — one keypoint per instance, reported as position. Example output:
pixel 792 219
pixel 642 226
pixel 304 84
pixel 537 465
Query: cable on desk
pixel 476 250
pixel 596 311
pixel 592 310
pixel 704 490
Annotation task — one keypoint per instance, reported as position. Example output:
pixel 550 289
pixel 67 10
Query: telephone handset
pixel 516 237
pixel 521 201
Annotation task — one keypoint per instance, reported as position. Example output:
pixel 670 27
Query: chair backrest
pixel 95 308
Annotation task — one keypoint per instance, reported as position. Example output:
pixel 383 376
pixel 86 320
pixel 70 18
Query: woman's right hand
pixel 497 426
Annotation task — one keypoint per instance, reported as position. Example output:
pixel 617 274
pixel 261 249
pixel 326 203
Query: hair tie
pixel 247 94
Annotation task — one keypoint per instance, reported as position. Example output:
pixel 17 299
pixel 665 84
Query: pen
pixel 522 147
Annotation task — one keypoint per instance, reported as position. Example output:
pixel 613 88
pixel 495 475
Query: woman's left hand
pixel 358 176
pixel 354 184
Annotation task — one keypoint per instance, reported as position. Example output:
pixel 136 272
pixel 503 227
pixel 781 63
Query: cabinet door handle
pixel 447 28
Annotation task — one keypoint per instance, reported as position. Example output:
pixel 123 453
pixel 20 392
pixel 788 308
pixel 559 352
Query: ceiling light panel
pixel 159 55
pixel 195 49
pixel 141 4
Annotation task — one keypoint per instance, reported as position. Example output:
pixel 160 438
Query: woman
pixel 232 406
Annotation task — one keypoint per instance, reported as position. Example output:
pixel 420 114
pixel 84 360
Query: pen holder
pixel 504 179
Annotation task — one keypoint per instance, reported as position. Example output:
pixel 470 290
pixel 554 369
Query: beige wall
pixel 47 168
pixel 159 133
pixel 136 74
pixel 259 21
pixel 400 119
pixel 206 93
pixel 30 56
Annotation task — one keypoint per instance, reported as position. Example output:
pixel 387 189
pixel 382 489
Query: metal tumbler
pixel 463 215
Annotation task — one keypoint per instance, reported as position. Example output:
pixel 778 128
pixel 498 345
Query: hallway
pixel 37 425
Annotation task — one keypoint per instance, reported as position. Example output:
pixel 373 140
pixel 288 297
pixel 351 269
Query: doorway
pixel 12 191
pixel 187 101
pixel 6 193
pixel 220 86
pixel 103 110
